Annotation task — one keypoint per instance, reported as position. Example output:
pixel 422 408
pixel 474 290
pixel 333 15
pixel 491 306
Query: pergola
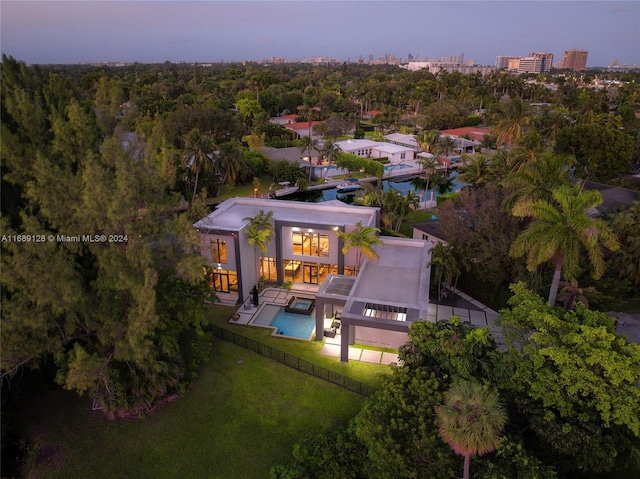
pixel 386 297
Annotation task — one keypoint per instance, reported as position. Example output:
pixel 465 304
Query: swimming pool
pixel 399 166
pixel 292 325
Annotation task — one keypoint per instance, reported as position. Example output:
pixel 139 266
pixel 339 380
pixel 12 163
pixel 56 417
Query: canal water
pixel 401 185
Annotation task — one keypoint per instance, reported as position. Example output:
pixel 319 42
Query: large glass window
pixel 225 281
pixel 219 251
pixel 268 269
pixel 310 244
pixel 350 271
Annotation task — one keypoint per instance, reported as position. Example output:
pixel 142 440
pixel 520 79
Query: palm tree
pixel 445 145
pixel 570 294
pixel 475 171
pixel 429 167
pixel 427 140
pixel 308 144
pixel 231 164
pixel 510 128
pixel 557 231
pixel 445 267
pixel 537 180
pixel 330 151
pixel 259 233
pixel 197 154
pixel 363 238
pixel 470 420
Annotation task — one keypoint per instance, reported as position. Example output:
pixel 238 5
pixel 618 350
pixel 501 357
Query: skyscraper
pixel 547 60
pixel 530 65
pixel 575 60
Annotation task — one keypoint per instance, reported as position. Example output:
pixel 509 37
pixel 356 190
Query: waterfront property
pixel 370 303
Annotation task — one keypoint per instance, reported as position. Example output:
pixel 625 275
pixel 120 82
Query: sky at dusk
pixel 212 31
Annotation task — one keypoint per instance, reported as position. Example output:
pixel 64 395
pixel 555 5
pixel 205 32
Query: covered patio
pixel 378 306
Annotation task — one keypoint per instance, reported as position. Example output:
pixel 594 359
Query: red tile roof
pixel 301 125
pixel 476 133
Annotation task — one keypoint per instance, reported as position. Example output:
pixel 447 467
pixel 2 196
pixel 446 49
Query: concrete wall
pixel 379 337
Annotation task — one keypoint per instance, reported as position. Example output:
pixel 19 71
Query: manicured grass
pixel 242 415
pixel 367 373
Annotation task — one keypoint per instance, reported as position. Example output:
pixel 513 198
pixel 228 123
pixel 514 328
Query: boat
pixel 285 191
pixel 351 184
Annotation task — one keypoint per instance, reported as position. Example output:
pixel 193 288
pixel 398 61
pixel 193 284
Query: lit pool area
pixel 291 325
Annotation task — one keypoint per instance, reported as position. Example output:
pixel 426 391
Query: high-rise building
pixel 575 60
pixel 547 60
pixel 530 65
pixel 506 62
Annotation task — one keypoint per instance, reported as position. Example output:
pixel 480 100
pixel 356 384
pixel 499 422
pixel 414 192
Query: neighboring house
pixel 301 128
pixel 367 115
pixel 377 149
pixel 429 231
pixel 284 119
pixel 613 197
pixel 376 303
pixel 464 145
pixel 403 140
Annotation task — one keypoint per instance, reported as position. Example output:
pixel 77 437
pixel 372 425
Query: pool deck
pixel 331 346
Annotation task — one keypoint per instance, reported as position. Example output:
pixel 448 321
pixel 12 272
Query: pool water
pixel 286 324
pixel 399 166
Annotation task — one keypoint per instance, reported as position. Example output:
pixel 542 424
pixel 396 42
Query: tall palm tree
pixel 330 151
pixel 363 238
pixel 471 420
pixel 427 140
pixel 429 167
pixel 537 180
pixel 196 155
pixel 259 233
pixel 511 128
pixel 231 164
pixel 445 145
pixel 308 144
pixel 558 230
pixel 445 267
pixel 475 171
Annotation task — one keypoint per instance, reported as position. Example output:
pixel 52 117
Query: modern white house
pixel 377 149
pixel 375 301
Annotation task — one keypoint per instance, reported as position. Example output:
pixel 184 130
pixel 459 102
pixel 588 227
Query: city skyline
pixel 212 31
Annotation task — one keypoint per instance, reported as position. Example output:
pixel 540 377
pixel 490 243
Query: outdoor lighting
pixel 219 266
pixel 295 228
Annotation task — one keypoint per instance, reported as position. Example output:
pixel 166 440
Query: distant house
pixel 428 231
pixel 284 119
pixel 377 149
pixel 476 133
pixel 367 115
pixel 613 197
pixel 301 128
pixel 290 122
pixel 403 140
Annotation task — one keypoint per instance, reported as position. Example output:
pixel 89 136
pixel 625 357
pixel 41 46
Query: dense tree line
pixel 567 381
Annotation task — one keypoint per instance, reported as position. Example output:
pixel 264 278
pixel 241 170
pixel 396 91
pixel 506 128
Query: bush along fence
pixel 293 361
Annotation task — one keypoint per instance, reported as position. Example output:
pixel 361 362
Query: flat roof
pixel 230 214
pixel 403 138
pixel 399 279
pixel 392 148
pixel 350 145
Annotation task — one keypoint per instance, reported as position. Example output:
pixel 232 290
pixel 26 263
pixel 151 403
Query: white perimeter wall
pixel 380 338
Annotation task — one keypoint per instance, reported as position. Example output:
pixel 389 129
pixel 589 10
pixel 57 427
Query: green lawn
pixel 367 373
pixel 242 415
